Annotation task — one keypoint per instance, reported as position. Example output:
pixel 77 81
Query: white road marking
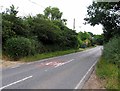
pixel 69 61
pixel 85 76
pixel 46 70
pixel 63 63
pixel 48 63
pixel 15 82
pixel 29 63
pixel 15 66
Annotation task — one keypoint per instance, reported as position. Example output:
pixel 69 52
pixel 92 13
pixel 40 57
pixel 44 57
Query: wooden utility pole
pixel 74 24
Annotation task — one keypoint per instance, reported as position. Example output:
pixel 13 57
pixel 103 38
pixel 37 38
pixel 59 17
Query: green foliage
pixel 98 39
pixel 111 50
pixel 49 54
pixel 85 39
pixel 60 24
pixel 20 47
pixel 70 38
pixel 108 72
pixel 36 34
pixel 46 31
pixel 53 13
pixel 84 35
pixel 105 13
pixel 80 42
pixel 12 25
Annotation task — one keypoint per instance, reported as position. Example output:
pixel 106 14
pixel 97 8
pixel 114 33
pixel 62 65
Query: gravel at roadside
pixel 93 82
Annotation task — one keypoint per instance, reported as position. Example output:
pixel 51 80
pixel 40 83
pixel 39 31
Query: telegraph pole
pixel 74 24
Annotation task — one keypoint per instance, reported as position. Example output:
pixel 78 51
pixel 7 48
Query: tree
pixel 105 13
pixel 84 39
pixel 91 34
pixel 46 32
pixel 53 13
pixel 8 18
pixel 98 39
pixel 84 35
pixel 11 24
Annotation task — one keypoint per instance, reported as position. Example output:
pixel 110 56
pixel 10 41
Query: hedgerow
pixel 112 50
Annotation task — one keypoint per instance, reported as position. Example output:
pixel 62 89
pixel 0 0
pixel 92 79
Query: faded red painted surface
pixel 51 63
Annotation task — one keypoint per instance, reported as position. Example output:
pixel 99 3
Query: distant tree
pixel 91 34
pixel 84 39
pixel 41 16
pixel 84 35
pixel 53 13
pixel 98 39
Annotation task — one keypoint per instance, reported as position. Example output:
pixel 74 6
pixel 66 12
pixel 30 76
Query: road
pixel 62 72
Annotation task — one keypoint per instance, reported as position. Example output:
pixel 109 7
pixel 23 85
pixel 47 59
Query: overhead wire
pixel 36 4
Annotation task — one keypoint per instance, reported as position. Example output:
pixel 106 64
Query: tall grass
pixel 108 73
pixel 49 54
pixel 108 68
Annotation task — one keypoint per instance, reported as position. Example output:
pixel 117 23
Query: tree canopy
pixel 40 33
pixel 106 14
pixel 48 32
pixel 53 13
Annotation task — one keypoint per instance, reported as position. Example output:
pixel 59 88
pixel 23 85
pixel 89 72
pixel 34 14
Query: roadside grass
pixel 52 54
pixel 108 73
pixel 49 54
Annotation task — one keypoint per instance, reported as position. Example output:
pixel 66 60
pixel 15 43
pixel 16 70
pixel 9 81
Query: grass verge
pixel 108 73
pixel 50 54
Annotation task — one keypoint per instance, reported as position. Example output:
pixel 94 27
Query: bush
pixel 80 42
pixel 112 50
pixel 20 47
pixel 46 31
pixel 37 47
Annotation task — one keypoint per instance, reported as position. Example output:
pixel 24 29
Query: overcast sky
pixel 71 9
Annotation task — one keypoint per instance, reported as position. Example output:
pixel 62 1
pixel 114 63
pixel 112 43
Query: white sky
pixel 71 9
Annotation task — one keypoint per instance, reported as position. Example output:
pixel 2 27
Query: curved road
pixel 62 72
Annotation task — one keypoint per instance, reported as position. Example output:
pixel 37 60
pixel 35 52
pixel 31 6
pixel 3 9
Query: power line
pixel 36 3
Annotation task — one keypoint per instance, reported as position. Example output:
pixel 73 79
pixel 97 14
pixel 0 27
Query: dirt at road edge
pixel 5 64
pixel 93 82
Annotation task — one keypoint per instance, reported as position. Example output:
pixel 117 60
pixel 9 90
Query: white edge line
pixel 15 82
pixel 77 86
